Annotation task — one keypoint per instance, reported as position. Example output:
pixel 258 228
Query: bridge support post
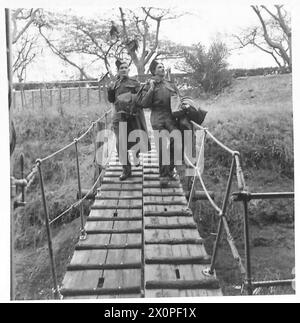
pixel 221 222
pixel 56 290
pixel 247 247
pixel 83 234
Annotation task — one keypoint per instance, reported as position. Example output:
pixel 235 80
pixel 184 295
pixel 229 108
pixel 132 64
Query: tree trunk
pixel 141 71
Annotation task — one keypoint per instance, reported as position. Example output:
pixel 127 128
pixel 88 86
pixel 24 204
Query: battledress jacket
pixel 159 101
pixel 122 86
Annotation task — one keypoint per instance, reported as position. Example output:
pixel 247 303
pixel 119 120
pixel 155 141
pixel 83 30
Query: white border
pixel 5 169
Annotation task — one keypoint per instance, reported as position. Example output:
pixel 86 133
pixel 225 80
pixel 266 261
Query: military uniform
pixel 122 86
pixel 159 101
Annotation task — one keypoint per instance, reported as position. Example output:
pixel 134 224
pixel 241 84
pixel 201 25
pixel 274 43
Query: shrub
pixel 208 68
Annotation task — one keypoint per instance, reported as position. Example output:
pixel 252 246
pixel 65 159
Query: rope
pixel 78 203
pixel 197 166
pixel 214 138
pixel 203 186
pixel 77 139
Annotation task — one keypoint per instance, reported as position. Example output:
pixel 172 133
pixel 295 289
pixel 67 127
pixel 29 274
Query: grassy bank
pixel 255 117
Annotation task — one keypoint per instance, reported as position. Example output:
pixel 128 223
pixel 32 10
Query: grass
pixel 253 116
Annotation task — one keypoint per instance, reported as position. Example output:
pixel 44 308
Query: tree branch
pixel 62 55
pixel 269 41
pixel 32 17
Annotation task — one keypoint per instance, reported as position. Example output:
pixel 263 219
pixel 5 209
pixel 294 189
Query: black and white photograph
pixel 150 152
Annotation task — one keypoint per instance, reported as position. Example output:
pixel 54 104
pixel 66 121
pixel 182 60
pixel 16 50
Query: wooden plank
pixel 99 226
pixel 120 187
pixel 116 179
pixel 175 220
pixel 124 197
pixel 89 279
pixel 184 284
pixel 169 209
pixel 156 184
pixel 114 231
pixel 176 260
pixel 116 218
pixel 171 226
pixel 86 275
pixel 167 199
pixel 130 180
pixel 187 272
pixel 108 246
pixel 175 241
pixel 165 273
pixel 165 213
pixel 100 291
pixel 117 204
pixel 108 266
pixel 114 214
pixel 111 207
pixel 124 278
pixel 116 174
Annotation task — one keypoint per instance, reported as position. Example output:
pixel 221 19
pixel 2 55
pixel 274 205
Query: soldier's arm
pixel 137 87
pixel 111 94
pixel 147 96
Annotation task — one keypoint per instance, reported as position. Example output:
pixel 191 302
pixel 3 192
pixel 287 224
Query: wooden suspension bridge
pixel 142 240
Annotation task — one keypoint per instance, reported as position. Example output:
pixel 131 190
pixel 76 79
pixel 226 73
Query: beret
pixel 152 67
pixel 119 63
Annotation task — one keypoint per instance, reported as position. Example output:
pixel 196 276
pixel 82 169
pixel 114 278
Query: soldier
pixel 157 96
pixel 124 84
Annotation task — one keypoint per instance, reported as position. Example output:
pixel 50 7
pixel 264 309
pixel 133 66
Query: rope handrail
pixel 232 152
pixel 76 139
pixel 203 185
pixel 78 203
pixel 221 212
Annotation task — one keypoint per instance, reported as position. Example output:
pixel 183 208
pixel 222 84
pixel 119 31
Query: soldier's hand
pixel 111 84
pixel 152 84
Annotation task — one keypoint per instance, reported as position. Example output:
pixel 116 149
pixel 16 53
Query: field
pixel 253 116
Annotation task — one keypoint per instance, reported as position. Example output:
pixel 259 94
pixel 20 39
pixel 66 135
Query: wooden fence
pixel 60 96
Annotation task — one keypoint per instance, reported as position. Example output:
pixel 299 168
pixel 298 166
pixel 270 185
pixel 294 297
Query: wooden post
pixel 97 145
pixel 25 102
pixel 88 95
pixel 99 92
pixel 79 93
pixel 22 98
pixel 41 97
pixel 51 98
pixel 105 93
pixel 32 98
pixel 60 99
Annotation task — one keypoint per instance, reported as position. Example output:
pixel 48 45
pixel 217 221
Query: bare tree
pixel 24 41
pixel 273 36
pixel 91 37
pixel 142 44
pixel 45 24
pixel 22 19
pixel 25 52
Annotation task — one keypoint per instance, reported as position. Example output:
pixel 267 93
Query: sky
pixel 204 22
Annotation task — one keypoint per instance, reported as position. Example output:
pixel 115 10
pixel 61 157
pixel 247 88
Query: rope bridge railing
pixel 38 169
pixel 242 195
